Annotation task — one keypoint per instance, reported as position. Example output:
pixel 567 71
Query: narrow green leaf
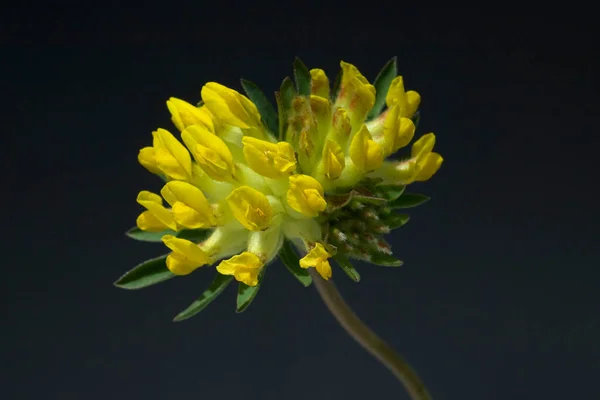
pixel 292 262
pixel 416 119
pixel 265 107
pixel 246 294
pixel 148 273
pixel 138 234
pixel 408 200
pixel 336 86
pixel 390 192
pixel 214 290
pixel 382 84
pixel 194 235
pixel 394 221
pixel 385 260
pixel 284 97
pixel 347 267
pixel 302 76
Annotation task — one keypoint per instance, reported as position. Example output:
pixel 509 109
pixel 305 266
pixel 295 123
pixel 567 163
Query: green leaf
pixel 265 107
pixel 408 200
pixel 214 290
pixel 347 267
pixel 382 85
pixel 416 119
pixel 390 192
pixel 336 86
pixel 385 260
pixel 148 273
pixel 394 221
pixel 246 294
pixel 302 76
pixel 194 235
pixel 284 97
pixel 292 262
pixel 138 234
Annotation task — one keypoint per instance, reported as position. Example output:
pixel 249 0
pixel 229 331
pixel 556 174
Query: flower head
pixel 246 182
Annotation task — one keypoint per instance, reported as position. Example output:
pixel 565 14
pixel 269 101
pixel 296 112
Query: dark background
pixel 498 297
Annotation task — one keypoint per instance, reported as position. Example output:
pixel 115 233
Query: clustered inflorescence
pixel 254 181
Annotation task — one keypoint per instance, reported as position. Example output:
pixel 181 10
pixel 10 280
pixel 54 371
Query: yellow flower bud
pixel 157 218
pixel 210 152
pixel 397 131
pixel 318 257
pixel 341 127
pixel 428 166
pixel 183 114
pixel 407 101
pixel 333 159
pixel 306 195
pixel 190 207
pixel 171 156
pixel 365 153
pixel 230 106
pixel 319 83
pixel 321 109
pixel 244 267
pixel 272 160
pixel 423 146
pixel 147 158
pixel 251 208
pixel 186 256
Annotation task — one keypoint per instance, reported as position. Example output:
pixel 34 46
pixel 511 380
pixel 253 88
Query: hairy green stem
pixel 368 339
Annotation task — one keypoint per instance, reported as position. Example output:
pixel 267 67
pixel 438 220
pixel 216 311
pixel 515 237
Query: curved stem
pixel 368 339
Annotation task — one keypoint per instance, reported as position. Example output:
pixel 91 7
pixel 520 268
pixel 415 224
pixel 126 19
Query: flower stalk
pixel 369 339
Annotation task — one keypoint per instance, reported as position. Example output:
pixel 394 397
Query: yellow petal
pixel 230 106
pixel 356 94
pixel 147 158
pixel 251 208
pixel 413 100
pixel 318 257
pixel 172 158
pixel 319 83
pixel 190 207
pixel 333 159
pixel 366 154
pixel 407 101
pixel 244 267
pixel 306 195
pixel 149 223
pixel 429 166
pixel 186 256
pixel 184 114
pixel 272 160
pixel 341 127
pixel 423 146
pixel 210 152
pixel 397 131
pixel 153 203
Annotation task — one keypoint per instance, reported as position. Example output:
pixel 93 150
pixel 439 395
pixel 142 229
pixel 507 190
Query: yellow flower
pixel 319 83
pixel 147 158
pixel 407 101
pixel 365 153
pixel 318 258
pixel 171 156
pixel 186 256
pixel 157 218
pixel 398 131
pixel 272 160
pixel 230 106
pixel 210 152
pixel 183 114
pixel 190 207
pixel 340 126
pixel 427 161
pixel 306 195
pixel 333 159
pixel 357 95
pixel 251 208
pixel 244 267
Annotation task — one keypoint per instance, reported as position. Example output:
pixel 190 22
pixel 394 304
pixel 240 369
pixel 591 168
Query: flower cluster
pixel 252 177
